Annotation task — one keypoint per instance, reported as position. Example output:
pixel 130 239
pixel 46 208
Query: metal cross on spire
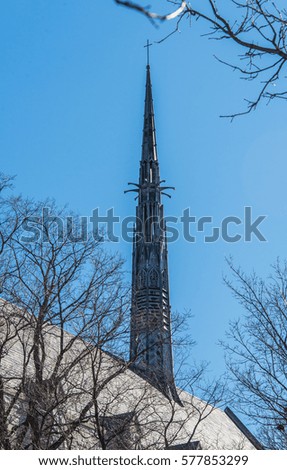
pixel 148 45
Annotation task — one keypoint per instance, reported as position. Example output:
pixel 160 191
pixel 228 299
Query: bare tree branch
pixel 257 352
pixel 259 27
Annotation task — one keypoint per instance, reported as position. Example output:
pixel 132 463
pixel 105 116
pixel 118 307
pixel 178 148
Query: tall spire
pixel 150 343
pixel 149 137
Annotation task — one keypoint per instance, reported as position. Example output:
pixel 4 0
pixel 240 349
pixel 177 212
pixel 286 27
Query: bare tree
pixel 146 419
pixel 62 299
pixel 256 352
pixel 9 211
pixel 259 27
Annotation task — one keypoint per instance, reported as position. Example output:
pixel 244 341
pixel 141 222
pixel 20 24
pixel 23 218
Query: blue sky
pixel 72 93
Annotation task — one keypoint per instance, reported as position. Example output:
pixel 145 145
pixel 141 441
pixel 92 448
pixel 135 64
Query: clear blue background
pixel 71 97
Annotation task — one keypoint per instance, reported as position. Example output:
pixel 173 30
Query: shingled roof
pixel 130 411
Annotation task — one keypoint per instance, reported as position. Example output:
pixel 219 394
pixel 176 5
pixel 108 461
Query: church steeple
pixel 149 137
pixel 150 342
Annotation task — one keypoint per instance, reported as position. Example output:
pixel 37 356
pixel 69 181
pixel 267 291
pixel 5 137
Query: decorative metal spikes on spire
pixel 149 171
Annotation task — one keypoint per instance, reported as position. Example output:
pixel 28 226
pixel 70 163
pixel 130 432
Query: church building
pixel 96 400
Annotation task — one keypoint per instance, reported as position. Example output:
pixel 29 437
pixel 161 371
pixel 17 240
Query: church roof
pixel 123 398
